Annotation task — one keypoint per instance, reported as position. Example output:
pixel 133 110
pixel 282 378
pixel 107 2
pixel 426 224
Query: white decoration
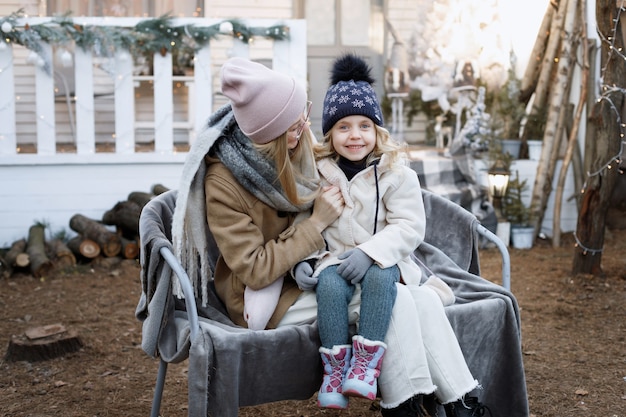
pixel 66 59
pixel 226 27
pixel 32 57
pixel 6 27
pixel 3 45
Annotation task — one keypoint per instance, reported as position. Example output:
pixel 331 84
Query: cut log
pixel 22 260
pixel 17 257
pixel 124 215
pixel 40 264
pixel 140 198
pixel 6 270
pixel 42 343
pixel 61 255
pixel 159 189
pixel 83 247
pixel 108 241
pixel 106 263
pixel 130 249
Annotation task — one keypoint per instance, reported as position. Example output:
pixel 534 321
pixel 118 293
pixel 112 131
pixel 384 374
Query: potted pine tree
pixel 534 127
pixel 518 214
pixel 507 112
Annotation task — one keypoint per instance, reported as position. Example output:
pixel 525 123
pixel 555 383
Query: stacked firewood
pixel 95 241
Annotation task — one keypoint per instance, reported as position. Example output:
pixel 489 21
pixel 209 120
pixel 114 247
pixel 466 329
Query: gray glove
pixel 304 276
pixel 355 265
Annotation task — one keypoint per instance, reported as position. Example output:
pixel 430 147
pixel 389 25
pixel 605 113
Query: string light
pixel 607 92
pixel 585 249
pixel 147 38
pixel 157 35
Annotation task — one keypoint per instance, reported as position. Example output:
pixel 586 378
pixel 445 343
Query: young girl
pixel 370 244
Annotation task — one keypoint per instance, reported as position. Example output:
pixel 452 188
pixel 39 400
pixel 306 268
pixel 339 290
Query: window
pixel 339 22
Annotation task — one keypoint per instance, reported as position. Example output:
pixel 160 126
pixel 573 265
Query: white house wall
pixel 405 15
pixel 71 189
pixel 247 9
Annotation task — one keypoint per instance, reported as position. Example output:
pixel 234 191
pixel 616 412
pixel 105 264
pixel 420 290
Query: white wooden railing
pixel 51 185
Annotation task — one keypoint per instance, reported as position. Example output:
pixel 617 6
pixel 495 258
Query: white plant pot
pixel 503 231
pixel 511 146
pixel 534 149
pixel 480 172
pixel 522 237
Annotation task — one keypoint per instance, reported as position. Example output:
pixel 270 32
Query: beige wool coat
pixel 257 244
pixel 400 220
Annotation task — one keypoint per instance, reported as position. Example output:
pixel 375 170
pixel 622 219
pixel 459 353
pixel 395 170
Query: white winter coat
pixel 400 219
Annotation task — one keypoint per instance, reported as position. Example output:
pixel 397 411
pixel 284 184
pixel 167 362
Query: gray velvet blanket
pixel 485 316
pixel 231 367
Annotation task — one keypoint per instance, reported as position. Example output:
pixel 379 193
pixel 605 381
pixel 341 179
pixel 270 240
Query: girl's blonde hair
pixel 289 163
pixel 385 144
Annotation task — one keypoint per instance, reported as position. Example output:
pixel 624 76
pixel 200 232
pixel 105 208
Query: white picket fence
pixel 52 185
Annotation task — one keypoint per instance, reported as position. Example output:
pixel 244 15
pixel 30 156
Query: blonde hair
pixel 385 144
pixel 289 163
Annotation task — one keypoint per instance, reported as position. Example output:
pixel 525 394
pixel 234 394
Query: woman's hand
pixel 327 207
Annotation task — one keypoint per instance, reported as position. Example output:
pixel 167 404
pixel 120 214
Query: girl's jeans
pixel 378 293
pixel 423 354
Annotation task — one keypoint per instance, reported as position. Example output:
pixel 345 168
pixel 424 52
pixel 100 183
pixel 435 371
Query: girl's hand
pixel 327 207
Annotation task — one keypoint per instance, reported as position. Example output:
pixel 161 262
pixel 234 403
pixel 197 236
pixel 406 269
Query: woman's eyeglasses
pixel 301 126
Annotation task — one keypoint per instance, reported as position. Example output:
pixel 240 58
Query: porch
pixel 82 146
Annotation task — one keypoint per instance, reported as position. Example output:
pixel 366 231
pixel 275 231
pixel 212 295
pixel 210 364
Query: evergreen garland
pixel 146 38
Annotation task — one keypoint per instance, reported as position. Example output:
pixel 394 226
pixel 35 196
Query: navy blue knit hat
pixel 350 93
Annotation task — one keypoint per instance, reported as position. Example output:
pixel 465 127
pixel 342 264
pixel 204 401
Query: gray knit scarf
pixel 190 232
pixel 258 174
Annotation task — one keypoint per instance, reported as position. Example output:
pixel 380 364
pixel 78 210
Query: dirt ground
pixel 573 341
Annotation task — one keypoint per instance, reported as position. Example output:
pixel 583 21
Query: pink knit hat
pixel 265 102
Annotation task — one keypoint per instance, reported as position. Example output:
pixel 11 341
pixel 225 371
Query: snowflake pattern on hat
pixel 348 98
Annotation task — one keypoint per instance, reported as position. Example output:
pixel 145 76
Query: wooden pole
pixel 550 56
pixel 531 75
pixel 543 187
pixel 572 142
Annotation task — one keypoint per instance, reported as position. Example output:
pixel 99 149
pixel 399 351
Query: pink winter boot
pixel 361 378
pixel 336 362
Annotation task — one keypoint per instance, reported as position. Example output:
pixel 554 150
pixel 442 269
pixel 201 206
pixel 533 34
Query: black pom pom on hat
pixel 350 93
pixel 350 67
